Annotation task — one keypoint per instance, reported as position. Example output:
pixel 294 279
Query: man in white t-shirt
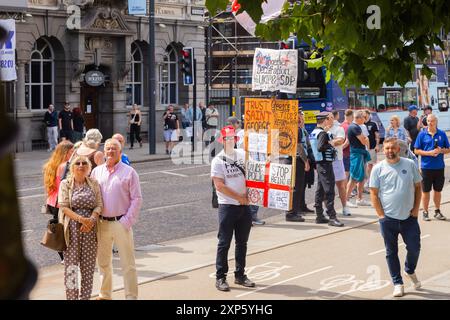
pixel 228 175
pixel 338 164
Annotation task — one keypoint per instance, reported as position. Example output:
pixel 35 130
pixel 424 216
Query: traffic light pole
pixel 231 87
pixel 194 106
pixel 151 81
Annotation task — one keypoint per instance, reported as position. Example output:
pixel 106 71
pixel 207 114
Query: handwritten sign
pixel 275 70
pixel 279 199
pixel 271 134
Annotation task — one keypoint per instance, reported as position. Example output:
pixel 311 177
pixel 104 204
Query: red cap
pixel 228 131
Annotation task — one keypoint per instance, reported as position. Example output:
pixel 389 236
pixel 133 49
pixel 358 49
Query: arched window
pixel 39 76
pixel 135 76
pixel 168 76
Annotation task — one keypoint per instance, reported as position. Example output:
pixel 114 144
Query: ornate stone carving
pixel 80 3
pixel 46 3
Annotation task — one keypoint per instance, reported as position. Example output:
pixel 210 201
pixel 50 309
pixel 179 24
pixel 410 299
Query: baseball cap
pixel 228 131
pixel 322 115
pixel 412 107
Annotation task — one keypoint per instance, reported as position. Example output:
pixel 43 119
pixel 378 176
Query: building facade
pixel 92 53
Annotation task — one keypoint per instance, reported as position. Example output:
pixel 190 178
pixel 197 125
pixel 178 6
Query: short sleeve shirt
pixel 232 176
pixel 410 124
pixel 426 142
pixel 170 123
pixel 372 127
pixel 396 186
pixel 66 117
pixel 338 132
pixel 353 132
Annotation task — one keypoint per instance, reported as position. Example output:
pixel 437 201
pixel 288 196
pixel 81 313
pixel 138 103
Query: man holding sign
pixel 228 175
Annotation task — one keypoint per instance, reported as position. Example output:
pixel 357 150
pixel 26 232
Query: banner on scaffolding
pixel 275 70
pixel 270 143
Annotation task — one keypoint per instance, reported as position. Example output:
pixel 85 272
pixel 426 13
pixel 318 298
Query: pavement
pixel 166 269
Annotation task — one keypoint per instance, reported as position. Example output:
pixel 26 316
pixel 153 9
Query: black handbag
pixel 54 236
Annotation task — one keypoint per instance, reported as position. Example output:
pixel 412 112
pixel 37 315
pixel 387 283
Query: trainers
pixel 414 280
pixel 222 284
pixel 321 219
pixel 140 144
pixel 258 222
pixel 335 223
pixel 346 212
pixel 354 193
pixel 438 215
pixel 293 217
pixel 306 210
pixel 425 216
pixel 244 281
pixel 363 203
pixel 398 291
pixel 350 204
pixel 167 151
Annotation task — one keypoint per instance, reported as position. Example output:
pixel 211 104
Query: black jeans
pixel 54 212
pixel 235 219
pixel 298 201
pixel 325 189
pixel 135 131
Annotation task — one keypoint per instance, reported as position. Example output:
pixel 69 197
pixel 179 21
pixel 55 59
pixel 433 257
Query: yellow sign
pixel 310 116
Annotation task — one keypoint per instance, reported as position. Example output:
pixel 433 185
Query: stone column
pixel 20 87
pixel 24 116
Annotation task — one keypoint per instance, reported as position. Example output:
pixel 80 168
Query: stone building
pixel 56 52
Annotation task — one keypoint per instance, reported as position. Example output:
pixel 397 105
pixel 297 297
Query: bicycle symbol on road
pixel 263 272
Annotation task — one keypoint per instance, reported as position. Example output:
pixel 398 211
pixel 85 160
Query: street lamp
pixel 151 80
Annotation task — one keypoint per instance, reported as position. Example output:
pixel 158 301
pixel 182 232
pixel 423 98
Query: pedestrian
pixel 51 121
pixel 338 164
pixel 171 124
pixel 346 146
pixel 397 131
pixel 431 145
pixel 53 172
pixel 203 108
pixel 302 166
pixel 236 124
pixel 65 118
pixel 135 125
pixel 374 141
pixel 359 156
pixel 122 198
pixel 228 175
pixel 427 110
pixel 411 123
pixel 90 148
pixel 324 153
pixel 212 120
pixel 81 204
pixel 395 194
pixel 78 124
pixel 185 121
pixel 124 158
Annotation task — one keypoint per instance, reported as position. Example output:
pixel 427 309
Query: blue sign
pixel 137 7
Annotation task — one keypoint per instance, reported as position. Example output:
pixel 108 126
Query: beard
pixel 391 155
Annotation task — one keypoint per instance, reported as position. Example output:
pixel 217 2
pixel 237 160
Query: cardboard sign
pixel 270 137
pixel 275 70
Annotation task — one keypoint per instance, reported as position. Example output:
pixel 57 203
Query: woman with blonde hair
pixel 53 172
pixel 397 131
pixel 80 201
pixel 89 148
pixel 135 125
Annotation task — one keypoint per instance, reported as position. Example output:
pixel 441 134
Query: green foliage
pixel 355 54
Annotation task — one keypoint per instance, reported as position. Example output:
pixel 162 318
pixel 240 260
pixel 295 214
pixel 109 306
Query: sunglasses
pixel 228 138
pixel 81 163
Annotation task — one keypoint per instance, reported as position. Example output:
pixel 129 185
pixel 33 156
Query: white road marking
pixel 166 207
pixel 33 196
pixel 401 244
pixel 27 231
pixel 287 280
pixel 175 174
pixel 184 168
pixel 204 175
pixel 29 189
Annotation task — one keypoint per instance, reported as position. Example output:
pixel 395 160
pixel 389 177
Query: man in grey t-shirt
pixel 395 192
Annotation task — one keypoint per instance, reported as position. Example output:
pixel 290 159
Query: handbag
pixel 54 236
pixel 45 209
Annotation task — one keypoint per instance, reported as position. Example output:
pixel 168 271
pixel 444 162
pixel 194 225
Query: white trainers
pixel 414 280
pixel 363 203
pixel 350 204
pixel 398 291
pixel 346 211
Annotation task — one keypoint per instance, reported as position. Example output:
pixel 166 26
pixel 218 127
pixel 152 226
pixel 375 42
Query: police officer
pixel 324 154
pixel 228 175
pixel 302 166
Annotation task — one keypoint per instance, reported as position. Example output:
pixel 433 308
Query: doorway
pixel 89 106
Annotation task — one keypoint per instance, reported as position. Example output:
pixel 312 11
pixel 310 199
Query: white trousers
pixel 110 232
pixel 52 135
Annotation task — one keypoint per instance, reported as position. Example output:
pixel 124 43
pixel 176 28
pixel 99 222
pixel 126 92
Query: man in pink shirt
pixel 122 199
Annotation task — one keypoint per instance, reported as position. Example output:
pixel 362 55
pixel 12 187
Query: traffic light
pixel 187 65
pixel 284 45
pixel 302 66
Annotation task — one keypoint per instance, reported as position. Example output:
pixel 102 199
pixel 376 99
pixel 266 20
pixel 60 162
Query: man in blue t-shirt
pixel 395 194
pixel 431 144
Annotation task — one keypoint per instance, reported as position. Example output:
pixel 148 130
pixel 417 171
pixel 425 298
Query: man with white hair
pixel 431 144
pixel 122 199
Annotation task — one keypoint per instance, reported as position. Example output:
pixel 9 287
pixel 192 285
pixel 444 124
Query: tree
pixel 368 42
